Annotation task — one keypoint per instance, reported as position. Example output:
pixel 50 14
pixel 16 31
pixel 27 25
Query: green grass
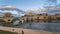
pixel 6 24
pixel 6 32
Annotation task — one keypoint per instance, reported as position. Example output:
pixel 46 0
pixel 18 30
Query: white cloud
pixel 13 12
pixel 50 9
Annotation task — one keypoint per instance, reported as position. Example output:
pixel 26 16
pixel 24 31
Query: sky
pixel 23 4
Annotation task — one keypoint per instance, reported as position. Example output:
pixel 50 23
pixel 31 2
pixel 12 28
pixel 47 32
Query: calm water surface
pixel 53 27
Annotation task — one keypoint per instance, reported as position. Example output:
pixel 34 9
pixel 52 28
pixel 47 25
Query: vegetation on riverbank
pixel 6 32
pixel 6 24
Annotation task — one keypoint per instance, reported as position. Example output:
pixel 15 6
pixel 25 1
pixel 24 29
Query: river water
pixel 52 27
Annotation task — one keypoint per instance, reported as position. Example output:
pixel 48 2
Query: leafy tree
pixel 7 15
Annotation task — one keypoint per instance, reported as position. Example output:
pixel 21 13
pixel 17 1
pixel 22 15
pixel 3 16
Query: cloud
pixel 7 7
pixel 49 10
pixel 13 12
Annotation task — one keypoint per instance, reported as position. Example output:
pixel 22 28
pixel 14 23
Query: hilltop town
pixel 7 18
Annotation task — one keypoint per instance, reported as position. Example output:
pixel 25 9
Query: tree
pixel 7 15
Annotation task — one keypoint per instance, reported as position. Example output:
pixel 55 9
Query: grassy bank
pixel 6 32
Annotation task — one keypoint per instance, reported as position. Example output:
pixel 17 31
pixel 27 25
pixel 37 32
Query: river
pixel 52 27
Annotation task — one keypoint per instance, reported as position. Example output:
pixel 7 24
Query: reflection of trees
pixel 38 19
pixel 49 18
pixel 27 20
pixel 44 18
pixel 58 18
pixel 31 19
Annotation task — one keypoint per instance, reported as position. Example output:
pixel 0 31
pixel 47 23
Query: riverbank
pixel 6 32
pixel 26 31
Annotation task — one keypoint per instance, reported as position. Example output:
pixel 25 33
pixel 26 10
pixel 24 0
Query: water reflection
pixel 53 27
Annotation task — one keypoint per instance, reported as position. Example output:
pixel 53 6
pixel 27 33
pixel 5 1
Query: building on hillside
pixel 32 17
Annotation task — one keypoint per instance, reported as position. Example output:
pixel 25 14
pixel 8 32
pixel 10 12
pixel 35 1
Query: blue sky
pixel 22 4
